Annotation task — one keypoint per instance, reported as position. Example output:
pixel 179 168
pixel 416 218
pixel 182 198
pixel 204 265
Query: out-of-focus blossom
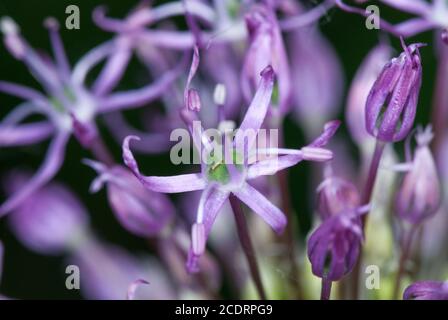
pixel 218 179
pixel 429 16
pixel 427 290
pixel 266 47
pixel 107 271
pixel 333 248
pixel 392 102
pixel 139 210
pixel 363 81
pixel 134 32
pixel 49 221
pixel 419 196
pixel 336 195
pixel 68 105
pixel 317 77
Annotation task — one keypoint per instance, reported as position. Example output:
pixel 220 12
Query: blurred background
pixel 28 275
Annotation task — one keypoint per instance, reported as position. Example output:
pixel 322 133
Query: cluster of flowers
pixel 252 63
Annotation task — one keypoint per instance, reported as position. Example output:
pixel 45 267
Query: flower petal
pixel 419 7
pixel 171 184
pixel 257 110
pixel 263 207
pixel 25 134
pixel 330 129
pixel 212 199
pixel 52 163
pixel 138 97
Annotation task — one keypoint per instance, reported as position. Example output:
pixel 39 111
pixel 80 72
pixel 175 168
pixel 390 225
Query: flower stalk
pixel 246 244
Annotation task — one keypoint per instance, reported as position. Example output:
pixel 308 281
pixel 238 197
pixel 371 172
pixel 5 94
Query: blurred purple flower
pixel 336 195
pixel 49 221
pixel 317 76
pixel 363 81
pixel 420 193
pixel 266 47
pixel 428 16
pixel 69 106
pixel 107 271
pixel 219 179
pixel 139 210
pixel 392 102
pixel 427 290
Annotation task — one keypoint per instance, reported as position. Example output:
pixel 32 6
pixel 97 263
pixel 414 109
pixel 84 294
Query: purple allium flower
pixel 427 290
pixel 218 179
pixel 266 47
pixel 419 195
pixel 392 102
pixel 139 210
pixel 333 248
pixel 50 220
pixel 336 195
pixel 317 76
pixel 363 81
pixel 69 106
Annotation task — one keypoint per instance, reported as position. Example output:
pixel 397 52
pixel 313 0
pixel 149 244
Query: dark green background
pixel 28 275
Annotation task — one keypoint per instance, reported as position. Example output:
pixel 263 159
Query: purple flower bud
pixel 427 290
pixel 139 210
pixel 392 101
pixel 336 195
pixel 359 90
pixel 50 220
pixel 420 193
pixel 334 246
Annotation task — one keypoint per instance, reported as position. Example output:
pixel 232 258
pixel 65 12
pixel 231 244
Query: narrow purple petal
pixel 210 204
pixel 419 7
pixel 257 110
pixel 21 91
pixel 154 142
pixel 171 184
pixel 330 129
pixel 138 97
pixel 114 69
pixel 263 207
pixel 25 134
pixel 413 27
pixel 52 163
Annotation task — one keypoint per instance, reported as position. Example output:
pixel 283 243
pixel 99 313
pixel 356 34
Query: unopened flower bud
pixel 427 290
pixel 334 246
pixel 420 192
pixel 336 195
pixel 140 211
pixel 50 220
pixel 392 101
